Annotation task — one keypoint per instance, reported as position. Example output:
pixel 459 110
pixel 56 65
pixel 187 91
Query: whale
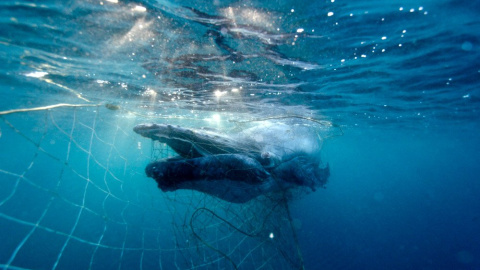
pixel 237 166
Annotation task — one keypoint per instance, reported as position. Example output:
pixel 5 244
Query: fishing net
pixel 74 195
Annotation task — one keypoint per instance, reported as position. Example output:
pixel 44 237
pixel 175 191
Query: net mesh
pixel 75 196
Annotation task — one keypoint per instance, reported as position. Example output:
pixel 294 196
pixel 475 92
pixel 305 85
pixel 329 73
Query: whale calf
pixel 238 166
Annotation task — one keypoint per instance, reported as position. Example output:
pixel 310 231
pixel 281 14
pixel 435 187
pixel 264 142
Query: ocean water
pixel 395 86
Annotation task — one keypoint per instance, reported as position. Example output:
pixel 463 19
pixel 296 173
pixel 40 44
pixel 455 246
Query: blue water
pixel 399 79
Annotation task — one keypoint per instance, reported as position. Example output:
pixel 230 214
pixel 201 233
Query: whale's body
pixel 237 167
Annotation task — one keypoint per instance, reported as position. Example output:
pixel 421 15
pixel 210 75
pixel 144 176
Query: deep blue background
pixel 396 200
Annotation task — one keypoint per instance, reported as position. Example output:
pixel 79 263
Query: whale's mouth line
pixel 235 167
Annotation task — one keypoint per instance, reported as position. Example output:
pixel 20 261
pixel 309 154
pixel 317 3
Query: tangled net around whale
pixel 86 165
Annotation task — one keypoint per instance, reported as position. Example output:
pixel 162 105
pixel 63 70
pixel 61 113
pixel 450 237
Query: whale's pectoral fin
pixel 303 171
pixel 192 143
pixel 172 174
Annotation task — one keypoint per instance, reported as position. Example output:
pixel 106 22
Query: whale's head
pixel 237 167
